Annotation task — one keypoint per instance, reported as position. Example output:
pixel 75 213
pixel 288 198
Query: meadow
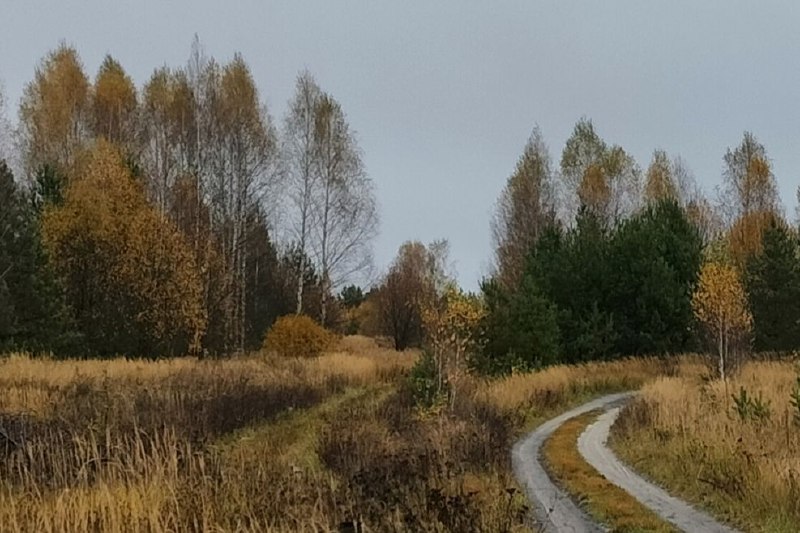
pixel 262 443
pixel 732 447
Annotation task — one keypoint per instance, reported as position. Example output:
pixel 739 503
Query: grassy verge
pixel 742 465
pixel 605 502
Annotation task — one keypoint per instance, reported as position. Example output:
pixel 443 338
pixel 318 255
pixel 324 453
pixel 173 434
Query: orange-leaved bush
pixel 298 336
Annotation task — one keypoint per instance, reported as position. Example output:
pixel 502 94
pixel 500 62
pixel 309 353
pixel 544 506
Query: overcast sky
pixel 443 95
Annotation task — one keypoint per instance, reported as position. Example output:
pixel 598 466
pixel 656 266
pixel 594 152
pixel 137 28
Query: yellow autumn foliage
pixel 720 305
pixel 53 111
pixel 659 181
pixel 452 331
pixel 129 275
pixel 595 190
pixel 298 336
pixel 113 103
pixel 746 235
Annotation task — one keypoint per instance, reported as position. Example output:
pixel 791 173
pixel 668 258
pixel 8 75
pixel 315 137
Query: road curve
pixel 554 510
pixel 592 446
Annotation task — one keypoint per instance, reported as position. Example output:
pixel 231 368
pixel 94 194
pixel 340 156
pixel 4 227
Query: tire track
pixel 592 445
pixel 554 511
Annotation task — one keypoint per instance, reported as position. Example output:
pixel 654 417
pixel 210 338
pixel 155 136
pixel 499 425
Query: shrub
pixel 424 383
pixel 750 407
pixel 298 336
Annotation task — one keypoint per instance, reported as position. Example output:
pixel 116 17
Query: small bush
pixel 750 407
pixel 298 336
pixel 423 381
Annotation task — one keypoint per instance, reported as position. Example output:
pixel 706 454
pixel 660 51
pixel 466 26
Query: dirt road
pixel 592 446
pixel 556 512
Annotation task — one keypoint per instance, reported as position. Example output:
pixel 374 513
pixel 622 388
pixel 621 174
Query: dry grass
pixel 270 444
pixel 28 384
pixel 406 470
pixel 123 445
pixel 559 386
pixel 606 502
pixel 686 434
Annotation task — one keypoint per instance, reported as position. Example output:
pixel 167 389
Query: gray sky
pixel 444 95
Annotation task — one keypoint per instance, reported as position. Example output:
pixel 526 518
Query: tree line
pixel 177 217
pixel 597 259
pixel 180 217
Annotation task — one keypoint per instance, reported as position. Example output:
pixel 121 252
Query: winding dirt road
pixel 554 510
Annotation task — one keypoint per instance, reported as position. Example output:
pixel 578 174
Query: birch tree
pixel 298 153
pixel 249 155
pixel 114 105
pixel 167 116
pixel 720 305
pixel 660 182
pixel 748 182
pixel 210 152
pixel 54 112
pixel 525 207
pixel 749 197
pixel 343 203
pixel 705 218
pixel 603 178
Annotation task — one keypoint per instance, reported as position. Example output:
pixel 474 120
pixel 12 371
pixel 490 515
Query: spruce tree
pixel 773 286
pixel 654 261
pixel 33 315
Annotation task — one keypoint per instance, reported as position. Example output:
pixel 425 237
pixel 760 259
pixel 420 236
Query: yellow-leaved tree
pixel 720 305
pixel 594 191
pixel 750 199
pixel 114 105
pixel 659 180
pixel 129 276
pixel 452 331
pixel 53 112
pixel 745 237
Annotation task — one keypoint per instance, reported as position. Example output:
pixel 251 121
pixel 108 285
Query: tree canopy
pixel 129 275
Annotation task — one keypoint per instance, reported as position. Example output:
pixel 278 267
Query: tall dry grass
pixel 124 445
pixel 271 444
pixel 687 433
pixel 558 386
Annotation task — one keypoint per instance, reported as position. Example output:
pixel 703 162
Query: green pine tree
pixel 654 262
pixel 520 331
pixel 773 286
pixel 33 315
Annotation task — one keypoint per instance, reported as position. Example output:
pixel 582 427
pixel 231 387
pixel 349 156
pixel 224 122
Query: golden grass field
pixel 268 444
pixel 686 433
